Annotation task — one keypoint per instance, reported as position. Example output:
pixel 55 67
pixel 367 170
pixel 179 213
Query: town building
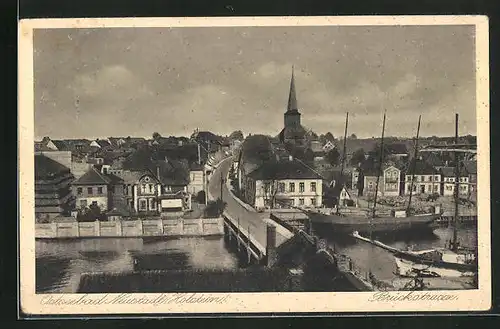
pixel 329 145
pixel 293 133
pixel 389 183
pixel 448 189
pixel 53 196
pixel 100 144
pixel 427 179
pixel 95 188
pixel 197 181
pixel 471 169
pixel 283 184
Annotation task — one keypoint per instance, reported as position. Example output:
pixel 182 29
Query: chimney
pixel 158 172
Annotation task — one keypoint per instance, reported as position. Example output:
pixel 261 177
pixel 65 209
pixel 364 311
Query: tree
pixel 376 153
pixel 270 189
pixel 357 157
pixel 353 136
pixel 333 157
pixel 329 137
pixel 156 136
pixel 200 197
pixel 215 208
pixel 90 214
pixel 236 135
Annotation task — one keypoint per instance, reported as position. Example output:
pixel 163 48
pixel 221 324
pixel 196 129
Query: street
pixel 250 220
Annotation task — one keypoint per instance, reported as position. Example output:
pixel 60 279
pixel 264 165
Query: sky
pixel 95 83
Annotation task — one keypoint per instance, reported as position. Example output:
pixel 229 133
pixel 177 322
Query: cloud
pixel 110 81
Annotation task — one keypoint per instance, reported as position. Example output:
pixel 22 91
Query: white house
pixel 197 179
pixel 448 174
pixel 283 184
pixel 427 179
pixel 389 182
pixel 328 146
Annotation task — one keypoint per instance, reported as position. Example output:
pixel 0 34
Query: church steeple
pixel 292 97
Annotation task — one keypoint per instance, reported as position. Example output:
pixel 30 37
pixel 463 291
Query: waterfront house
pixel 471 169
pixel 427 179
pixel 53 196
pixel 280 184
pixel 98 189
pixel 448 174
pixel 389 182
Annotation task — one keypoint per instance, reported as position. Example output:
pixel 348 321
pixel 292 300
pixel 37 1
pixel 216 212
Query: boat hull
pixel 348 224
pixel 408 268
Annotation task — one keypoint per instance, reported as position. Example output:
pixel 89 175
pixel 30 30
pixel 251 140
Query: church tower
pixel 292 114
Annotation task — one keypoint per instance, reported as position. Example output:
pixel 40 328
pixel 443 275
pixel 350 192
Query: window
pixel 83 203
pixel 301 202
pixel 143 188
pixel 99 190
pixel 313 202
pixel 153 204
pixel 150 188
pixel 89 190
pixel 142 205
pixel 429 178
pixel 292 202
pixel 292 187
pixel 281 187
pixel 436 178
pixel 301 187
pixel 79 191
pixel 94 203
pixel 313 187
pixel 370 185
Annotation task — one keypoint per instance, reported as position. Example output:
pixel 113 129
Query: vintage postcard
pixel 253 165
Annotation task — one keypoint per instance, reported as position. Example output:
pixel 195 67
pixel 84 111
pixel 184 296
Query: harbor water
pixel 60 263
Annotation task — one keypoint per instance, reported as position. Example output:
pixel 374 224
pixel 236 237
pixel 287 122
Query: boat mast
pixel 414 165
pixel 457 185
pixel 379 168
pixel 343 157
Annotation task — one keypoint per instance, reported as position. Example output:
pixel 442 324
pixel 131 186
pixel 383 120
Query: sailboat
pixel 437 262
pixel 398 221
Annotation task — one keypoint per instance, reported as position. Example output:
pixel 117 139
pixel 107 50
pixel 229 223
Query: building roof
pixel 292 97
pixel 450 172
pixel 48 168
pixel 207 136
pixel 421 167
pixel 372 171
pixel 94 177
pixel 278 170
pixel 102 142
pixel 61 145
pixel 41 146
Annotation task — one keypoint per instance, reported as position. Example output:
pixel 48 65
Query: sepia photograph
pixel 190 165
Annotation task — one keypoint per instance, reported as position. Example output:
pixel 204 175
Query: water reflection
pixel 59 264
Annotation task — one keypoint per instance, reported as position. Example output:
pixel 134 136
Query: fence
pixel 136 228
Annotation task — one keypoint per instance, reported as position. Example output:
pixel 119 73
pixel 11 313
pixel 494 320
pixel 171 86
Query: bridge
pixel 253 231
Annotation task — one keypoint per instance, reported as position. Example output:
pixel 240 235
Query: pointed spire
pixel 292 98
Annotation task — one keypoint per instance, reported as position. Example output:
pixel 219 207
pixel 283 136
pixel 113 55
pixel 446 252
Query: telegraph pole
pixel 221 185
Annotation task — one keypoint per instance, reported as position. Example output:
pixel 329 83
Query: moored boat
pixel 341 223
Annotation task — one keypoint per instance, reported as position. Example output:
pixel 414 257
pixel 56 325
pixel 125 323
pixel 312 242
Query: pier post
pixel 271 245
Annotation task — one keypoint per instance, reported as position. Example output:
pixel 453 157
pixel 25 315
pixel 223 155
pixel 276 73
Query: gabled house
pixel 197 179
pixel 117 141
pixel 98 189
pixel 388 183
pixel 280 184
pixel 427 179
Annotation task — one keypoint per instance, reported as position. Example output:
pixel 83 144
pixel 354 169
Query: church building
pixel 293 134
